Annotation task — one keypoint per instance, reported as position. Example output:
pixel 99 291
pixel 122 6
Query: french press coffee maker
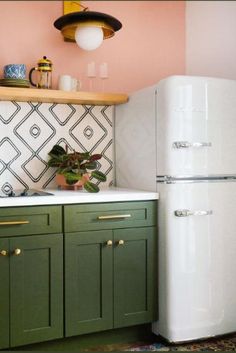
pixel 44 74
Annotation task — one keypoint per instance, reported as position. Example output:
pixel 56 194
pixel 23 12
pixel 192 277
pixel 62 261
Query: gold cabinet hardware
pixel 3 252
pixel 114 216
pixel 121 242
pixel 17 252
pixel 13 223
pixel 109 243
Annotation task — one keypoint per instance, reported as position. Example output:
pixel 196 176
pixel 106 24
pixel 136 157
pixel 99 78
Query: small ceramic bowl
pixel 15 71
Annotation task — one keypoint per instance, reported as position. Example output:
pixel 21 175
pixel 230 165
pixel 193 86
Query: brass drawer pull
pixel 115 216
pixel 109 243
pixel 3 252
pixel 13 223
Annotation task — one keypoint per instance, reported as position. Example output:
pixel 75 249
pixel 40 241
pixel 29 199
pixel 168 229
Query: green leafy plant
pixel 75 165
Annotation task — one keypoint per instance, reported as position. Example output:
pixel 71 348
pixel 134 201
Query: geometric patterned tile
pixel 8 151
pixel 34 130
pixel 84 127
pixel 62 112
pixel 35 167
pixel 8 111
pixel 29 130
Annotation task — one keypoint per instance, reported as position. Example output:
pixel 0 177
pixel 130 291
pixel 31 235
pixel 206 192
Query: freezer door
pixel 196 124
pixel 197 260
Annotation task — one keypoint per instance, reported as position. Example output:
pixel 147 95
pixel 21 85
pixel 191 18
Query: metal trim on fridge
pixel 186 213
pixel 187 144
pixel 167 179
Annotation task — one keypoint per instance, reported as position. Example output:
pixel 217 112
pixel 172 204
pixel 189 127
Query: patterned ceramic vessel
pixel 15 71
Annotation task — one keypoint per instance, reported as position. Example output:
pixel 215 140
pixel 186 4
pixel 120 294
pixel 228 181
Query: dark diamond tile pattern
pixel 28 131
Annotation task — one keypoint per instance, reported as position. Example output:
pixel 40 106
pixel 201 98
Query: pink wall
pixel 150 46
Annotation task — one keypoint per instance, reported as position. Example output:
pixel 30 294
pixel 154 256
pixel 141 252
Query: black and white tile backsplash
pixel 28 131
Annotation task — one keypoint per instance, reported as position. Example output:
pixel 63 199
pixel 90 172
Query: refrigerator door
pixel 197 262
pixel 196 124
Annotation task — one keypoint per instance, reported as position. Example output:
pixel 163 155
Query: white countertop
pixel 60 197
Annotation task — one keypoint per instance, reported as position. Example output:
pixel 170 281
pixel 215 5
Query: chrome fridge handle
pixel 186 213
pixel 187 144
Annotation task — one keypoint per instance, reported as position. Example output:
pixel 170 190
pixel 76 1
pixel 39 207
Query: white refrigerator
pixel 179 137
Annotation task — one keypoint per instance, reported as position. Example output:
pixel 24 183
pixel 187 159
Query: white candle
pixel 103 70
pixel 91 69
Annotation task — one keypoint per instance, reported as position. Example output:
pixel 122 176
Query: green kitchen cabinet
pixel 36 279
pixel 4 294
pixel 99 275
pixel 31 274
pixel 110 275
pixel 110 215
pixel 88 282
pixel 32 220
pixel 134 276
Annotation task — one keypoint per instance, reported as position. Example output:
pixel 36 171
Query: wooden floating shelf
pixel 57 96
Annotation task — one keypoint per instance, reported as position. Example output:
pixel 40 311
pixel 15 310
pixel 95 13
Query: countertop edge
pixel 62 197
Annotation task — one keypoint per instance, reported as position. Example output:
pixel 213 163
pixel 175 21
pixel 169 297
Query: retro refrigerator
pixel 179 137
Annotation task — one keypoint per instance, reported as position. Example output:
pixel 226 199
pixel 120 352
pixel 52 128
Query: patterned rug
pixel 224 343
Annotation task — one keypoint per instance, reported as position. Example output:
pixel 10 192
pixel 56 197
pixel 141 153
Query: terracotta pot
pixel 61 182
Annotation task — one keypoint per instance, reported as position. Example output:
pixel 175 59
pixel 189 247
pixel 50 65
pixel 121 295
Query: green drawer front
pixel 110 215
pixel 30 220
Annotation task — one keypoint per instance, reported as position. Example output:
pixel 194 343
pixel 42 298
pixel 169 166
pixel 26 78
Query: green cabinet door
pixel 36 288
pixel 4 293
pixel 134 276
pixel 88 282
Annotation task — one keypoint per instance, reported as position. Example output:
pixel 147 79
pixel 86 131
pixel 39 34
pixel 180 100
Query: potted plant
pixel 75 168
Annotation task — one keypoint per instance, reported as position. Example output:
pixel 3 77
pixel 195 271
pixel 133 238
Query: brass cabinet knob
pixel 17 252
pixel 109 243
pixel 3 252
pixel 121 242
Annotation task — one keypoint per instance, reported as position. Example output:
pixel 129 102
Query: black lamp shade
pixel 84 16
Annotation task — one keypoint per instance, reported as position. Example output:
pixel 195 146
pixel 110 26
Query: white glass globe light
pixel 89 38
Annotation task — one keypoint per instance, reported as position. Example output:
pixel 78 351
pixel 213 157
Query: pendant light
pixel 87 28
